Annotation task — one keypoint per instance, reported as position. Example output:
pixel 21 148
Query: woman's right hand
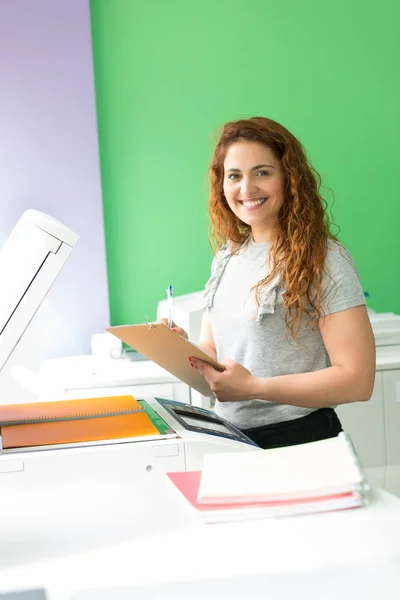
pixel 175 328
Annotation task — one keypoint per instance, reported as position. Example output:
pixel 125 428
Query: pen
pixel 170 305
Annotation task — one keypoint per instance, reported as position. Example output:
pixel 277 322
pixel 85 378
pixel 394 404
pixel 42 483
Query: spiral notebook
pixel 70 421
pixel 169 350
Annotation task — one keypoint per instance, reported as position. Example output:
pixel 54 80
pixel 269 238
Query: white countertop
pixel 97 535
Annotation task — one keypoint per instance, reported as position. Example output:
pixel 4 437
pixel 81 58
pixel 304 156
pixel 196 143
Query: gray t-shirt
pixel 255 336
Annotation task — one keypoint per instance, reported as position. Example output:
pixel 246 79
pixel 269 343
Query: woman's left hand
pixel 233 384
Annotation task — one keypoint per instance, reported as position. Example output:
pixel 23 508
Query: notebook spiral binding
pixel 73 417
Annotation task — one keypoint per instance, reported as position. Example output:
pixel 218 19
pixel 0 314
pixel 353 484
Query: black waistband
pixel 320 424
pixel 315 418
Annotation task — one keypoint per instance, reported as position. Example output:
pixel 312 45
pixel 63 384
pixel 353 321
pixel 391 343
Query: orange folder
pixel 69 421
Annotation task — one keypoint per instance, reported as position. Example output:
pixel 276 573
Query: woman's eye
pixel 233 176
pixel 262 173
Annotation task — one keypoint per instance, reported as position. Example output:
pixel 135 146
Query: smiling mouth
pixel 253 203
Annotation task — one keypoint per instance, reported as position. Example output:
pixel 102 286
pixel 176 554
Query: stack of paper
pixel 308 478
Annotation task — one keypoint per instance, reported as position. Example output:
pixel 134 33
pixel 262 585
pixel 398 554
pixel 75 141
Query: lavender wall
pixel 49 160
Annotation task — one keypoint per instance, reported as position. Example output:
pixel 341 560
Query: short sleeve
pixel 341 285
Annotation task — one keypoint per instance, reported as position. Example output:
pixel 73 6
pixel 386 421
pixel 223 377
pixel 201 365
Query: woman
pixel 285 310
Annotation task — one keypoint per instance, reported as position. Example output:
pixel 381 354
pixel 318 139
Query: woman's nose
pixel 248 186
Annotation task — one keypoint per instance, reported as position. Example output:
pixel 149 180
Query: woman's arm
pixel 206 342
pixel 350 344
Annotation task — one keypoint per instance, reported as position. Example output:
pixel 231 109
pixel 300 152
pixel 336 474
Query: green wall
pixel 168 73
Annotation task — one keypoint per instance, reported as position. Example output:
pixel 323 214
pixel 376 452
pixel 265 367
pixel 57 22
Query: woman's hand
pixel 234 384
pixel 175 328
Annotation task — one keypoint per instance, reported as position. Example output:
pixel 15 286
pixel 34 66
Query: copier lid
pixel 30 260
pixel 50 225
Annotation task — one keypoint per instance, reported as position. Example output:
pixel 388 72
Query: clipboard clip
pixel 149 324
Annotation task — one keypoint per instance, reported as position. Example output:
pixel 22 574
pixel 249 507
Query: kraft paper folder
pixel 70 421
pixel 169 350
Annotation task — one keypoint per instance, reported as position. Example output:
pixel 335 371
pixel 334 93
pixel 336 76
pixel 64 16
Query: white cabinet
pixel 365 422
pixel 391 388
pixel 374 426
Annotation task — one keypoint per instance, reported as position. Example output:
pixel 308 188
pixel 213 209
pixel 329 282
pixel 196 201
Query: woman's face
pixel 253 187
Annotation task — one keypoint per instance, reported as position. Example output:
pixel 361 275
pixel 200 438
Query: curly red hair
pixel 302 229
